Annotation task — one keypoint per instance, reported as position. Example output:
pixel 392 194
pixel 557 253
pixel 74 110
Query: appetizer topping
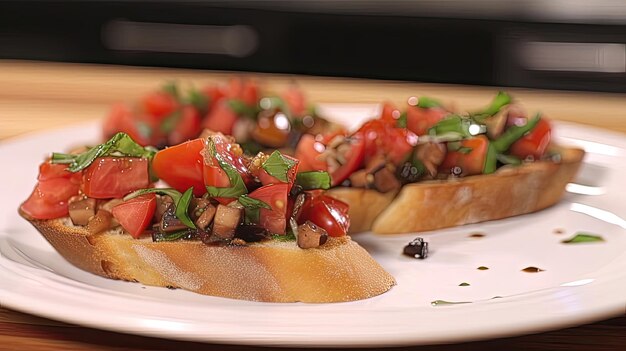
pixel 226 221
pixel 417 248
pixel 310 236
pixel 81 209
pixel 102 221
pixel 581 237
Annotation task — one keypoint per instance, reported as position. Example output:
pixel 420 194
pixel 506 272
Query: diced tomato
pixel 419 120
pixel 295 100
pixel 535 143
pixel 244 90
pixel 267 179
pixel 188 126
pixel 221 118
pixel 389 113
pixel 213 173
pixel 135 215
pixel 275 195
pixel 181 166
pixel 121 119
pixel 37 207
pixel 49 171
pixel 354 157
pixel 159 104
pixel 308 153
pixel 49 197
pixel 326 212
pixel 470 158
pixel 383 137
pixel 114 177
pixel 214 93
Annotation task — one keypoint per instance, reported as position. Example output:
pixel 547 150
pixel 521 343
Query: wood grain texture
pixel 37 96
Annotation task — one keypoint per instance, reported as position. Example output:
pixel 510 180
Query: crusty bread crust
pixel 431 205
pixel 272 271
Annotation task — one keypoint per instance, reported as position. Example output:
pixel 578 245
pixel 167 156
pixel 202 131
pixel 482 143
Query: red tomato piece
pixel 135 215
pixel 188 126
pixel 354 160
pixel 419 120
pixel 470 158
pixel 214 175
pixel 275 195
pixel 535 143
pixel 326 212
pixel 181 166
pixel 267 179
pixel 383 137
pixel 49 171
pixel 159 104
pixel 37 206
pixel 308 151
pixel 389 113
pixel 122 119
pixel 114 177
pixel 295 100
pixel 221 118
pixel 244 90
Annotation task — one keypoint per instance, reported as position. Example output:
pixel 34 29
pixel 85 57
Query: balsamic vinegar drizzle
pixel 532 269
pixel 482 268
pixel 477 235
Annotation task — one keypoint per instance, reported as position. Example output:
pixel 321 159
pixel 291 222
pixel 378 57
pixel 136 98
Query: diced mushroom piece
pixel 226 221
pixel 311 235
pixel 101 222
pixel 431 155
pixel 206 217
pixel 169 222
pixel 197 206
pixel 361 179
pixel 385 180
pixel 81 210
pixel 163 202
pixel 496 124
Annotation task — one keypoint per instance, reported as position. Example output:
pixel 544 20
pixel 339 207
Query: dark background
pixel 388 40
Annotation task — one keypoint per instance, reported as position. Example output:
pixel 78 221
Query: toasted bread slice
pixel 271 271
pixel 431 205
pixel 511 191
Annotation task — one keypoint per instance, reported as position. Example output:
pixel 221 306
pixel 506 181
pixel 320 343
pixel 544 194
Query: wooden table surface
pixel 36 96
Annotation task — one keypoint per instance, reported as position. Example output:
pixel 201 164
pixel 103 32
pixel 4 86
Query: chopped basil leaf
pixel 426 102
pixel 172 89
pixel 182 207
pixel 198 100
pixel 401 123
pixel 275 102
pixel 184 234
pixel 581 237
pixel 278 166
pixel 313 180
pixel 119 145
pixel 171 121
pixel 491 161
pixel 452 125
pixel 287 237
pixel 464 150
pixel 181 201
pixel 237 186
pixel 501 100
pixel 508 159
pixel 144 129
pixel 242 109
pixel 251 208
pixel 514 133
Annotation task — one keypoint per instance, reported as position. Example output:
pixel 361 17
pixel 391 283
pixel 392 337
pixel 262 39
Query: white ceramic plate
pixel 581 283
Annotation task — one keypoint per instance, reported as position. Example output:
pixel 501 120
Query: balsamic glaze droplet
pixel 532 269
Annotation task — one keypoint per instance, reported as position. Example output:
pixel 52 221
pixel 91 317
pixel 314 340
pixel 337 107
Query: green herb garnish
pixel 181 201
pixel 287 237
pixel 171 121
pixel 278 166
pixel 508 159
pixel 237 185
pixel 514 133
pixel 581 237
pixel 251 208
pixel 313 180
pixel 427 102
pixel 242 109
pixel 184 234
pixel 491 160
pixel 119 145
pixel 501 100
pixel 401 123
pixel 198 100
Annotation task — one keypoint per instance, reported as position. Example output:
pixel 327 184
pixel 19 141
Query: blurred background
pixel 551 44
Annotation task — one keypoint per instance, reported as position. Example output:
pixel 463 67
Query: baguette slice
pixel 273 271
pixel 365 205
pixel 510 191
